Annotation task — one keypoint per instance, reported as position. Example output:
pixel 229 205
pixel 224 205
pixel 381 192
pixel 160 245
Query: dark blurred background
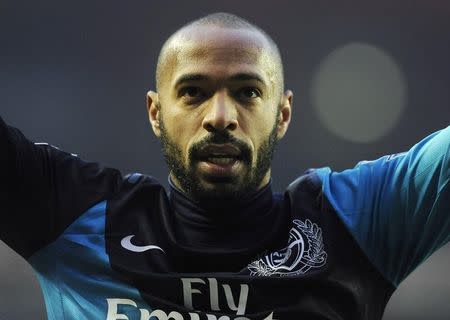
pixel 369 78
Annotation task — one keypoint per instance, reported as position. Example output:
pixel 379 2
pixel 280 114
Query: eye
pixel 191 93
pixel 248 93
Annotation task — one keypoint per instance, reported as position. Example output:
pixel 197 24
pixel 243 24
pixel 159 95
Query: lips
pixel 220 159
pixel 219 154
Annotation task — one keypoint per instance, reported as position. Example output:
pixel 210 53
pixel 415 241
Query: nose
pixel 221 114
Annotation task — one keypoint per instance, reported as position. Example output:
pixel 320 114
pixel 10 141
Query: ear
pixel 285 113
pixel 153 111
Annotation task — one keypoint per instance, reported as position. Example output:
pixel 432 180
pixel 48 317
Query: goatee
pixel 227 190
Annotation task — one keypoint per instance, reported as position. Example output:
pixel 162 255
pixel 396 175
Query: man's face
pixel 218 112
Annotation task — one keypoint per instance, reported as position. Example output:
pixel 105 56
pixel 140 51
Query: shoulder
pixel 310 180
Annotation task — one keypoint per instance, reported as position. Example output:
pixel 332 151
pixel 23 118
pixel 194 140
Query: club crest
pixel 305 250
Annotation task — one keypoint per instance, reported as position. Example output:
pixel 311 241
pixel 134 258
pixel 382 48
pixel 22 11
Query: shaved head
pixel 175 43
pixel 220 107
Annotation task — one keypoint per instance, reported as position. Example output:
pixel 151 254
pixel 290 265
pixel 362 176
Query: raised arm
pixel 397 207
pixel 43 189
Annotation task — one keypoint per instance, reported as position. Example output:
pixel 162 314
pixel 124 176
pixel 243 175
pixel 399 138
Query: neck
pixel 231 234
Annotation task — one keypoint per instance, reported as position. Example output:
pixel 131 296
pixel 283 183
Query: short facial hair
pixel 186 175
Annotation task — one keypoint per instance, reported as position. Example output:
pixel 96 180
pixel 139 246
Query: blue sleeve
pixel 396 207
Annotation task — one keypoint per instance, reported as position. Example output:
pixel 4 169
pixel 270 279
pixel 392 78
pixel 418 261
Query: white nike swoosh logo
pixel 126 243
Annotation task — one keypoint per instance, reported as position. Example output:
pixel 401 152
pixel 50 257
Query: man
pixel 221 245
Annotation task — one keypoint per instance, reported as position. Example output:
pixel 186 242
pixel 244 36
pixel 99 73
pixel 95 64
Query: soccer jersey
pixel 331 246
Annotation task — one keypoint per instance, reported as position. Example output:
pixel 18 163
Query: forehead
pixel 219 53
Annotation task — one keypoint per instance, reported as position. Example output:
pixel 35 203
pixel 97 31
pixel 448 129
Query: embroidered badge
pixel 305 250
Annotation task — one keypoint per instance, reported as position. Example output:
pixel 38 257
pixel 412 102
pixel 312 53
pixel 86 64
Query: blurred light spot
pixel 359 92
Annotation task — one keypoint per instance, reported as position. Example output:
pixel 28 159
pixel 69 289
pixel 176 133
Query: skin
pixel 231 88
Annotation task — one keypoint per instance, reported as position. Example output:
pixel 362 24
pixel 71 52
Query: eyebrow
pixel 244 76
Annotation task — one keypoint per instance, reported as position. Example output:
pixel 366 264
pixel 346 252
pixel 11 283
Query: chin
pixel 219 192
pixel 217 189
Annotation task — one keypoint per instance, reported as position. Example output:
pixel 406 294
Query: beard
pixel 219 191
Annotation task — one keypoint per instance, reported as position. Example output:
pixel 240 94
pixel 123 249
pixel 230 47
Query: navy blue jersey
pixel 332 246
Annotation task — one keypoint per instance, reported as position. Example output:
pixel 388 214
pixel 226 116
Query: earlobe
pixel 153 111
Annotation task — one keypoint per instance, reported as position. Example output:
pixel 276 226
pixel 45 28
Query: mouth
pixel 220 160
pixel 220 153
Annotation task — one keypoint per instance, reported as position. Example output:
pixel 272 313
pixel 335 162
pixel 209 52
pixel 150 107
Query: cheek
pixel 182 128
pixel 258 128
